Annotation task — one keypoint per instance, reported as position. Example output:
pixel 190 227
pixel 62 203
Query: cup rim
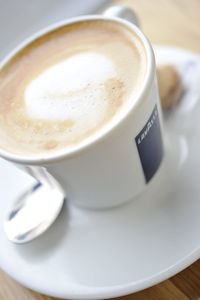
pixel 148 78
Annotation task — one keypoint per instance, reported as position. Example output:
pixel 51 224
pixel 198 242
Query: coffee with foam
pixel 66 87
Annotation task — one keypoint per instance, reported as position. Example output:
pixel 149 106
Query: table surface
pixel 166 22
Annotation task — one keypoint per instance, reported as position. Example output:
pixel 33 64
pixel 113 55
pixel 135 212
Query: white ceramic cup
pixel 119 163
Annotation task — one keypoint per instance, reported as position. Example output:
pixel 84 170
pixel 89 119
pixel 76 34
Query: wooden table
pixel 169 22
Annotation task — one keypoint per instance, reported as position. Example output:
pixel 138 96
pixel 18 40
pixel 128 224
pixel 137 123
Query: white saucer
pixel 101 254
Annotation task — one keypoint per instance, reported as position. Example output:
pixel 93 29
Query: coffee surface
pixel 67 86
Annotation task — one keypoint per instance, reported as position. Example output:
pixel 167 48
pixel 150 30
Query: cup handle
pixel 123 12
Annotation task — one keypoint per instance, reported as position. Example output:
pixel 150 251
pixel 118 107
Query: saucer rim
pixel 118 290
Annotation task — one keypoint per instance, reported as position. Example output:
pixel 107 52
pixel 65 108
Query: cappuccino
pixel 68 86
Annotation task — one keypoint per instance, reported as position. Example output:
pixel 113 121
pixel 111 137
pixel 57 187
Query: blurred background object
pixel 170 87
pixel 169 22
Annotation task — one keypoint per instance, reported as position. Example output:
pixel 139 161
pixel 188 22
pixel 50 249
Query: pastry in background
pixel 169 83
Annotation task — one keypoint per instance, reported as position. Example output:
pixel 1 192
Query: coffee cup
pixel 80 107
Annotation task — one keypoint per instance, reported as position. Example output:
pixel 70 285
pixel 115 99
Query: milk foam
pixel 72 89
pixel 68 86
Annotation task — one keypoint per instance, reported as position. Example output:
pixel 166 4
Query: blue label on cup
pixel 150 145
